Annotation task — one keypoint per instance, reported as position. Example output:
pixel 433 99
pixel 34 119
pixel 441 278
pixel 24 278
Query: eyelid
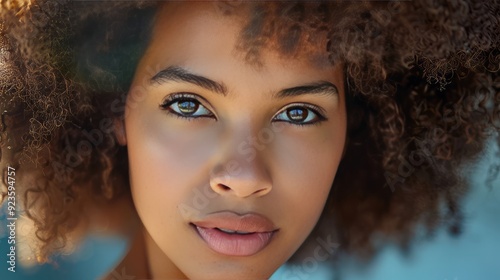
pixel 169 99
pixel 176 96
pixel 318 110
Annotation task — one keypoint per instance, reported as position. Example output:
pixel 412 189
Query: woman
pixel 227 129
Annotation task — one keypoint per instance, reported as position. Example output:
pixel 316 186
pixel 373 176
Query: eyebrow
pixel 321 87
pixel 179 74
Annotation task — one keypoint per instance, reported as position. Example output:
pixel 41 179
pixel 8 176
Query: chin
pixel 231 271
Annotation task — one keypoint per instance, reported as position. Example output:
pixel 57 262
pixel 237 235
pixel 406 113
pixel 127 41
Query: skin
pixel 246 157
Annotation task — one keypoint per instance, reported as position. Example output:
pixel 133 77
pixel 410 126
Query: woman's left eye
pixel 300 115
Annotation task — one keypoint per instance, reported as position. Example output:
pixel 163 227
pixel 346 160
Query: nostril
pixel 224 187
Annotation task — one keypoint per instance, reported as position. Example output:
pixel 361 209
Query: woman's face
pixel 216 142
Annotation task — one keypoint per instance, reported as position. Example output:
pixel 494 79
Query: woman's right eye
pixel 186 107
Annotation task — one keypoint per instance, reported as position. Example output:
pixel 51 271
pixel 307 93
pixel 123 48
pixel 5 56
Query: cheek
pixel 304 172
pixel 166 164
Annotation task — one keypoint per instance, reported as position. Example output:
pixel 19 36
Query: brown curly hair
pixel 423 96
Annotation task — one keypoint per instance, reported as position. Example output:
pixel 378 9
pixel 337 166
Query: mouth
pixel 230 234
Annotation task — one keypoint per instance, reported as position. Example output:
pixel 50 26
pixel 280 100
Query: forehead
pixel 250 28
pixel 191 29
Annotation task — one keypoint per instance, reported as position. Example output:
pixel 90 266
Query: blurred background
pixel 473 255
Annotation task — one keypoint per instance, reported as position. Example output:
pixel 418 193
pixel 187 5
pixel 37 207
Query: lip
pixel 260 231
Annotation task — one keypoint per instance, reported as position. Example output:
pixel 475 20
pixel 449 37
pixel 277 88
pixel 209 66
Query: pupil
pixel 297 114
pixel 187 107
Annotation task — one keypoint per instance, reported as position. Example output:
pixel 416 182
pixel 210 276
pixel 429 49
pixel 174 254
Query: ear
pixel 119 131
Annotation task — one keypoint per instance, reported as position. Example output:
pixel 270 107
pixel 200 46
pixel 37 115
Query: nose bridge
pixel 240 168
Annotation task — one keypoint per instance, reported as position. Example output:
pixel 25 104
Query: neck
pixel 145 260
pixel 160 266
pixel 135 262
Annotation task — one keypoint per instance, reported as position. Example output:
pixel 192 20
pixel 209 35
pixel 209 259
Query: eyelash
pixel 309 108
pixel 179 97
pixel 189 97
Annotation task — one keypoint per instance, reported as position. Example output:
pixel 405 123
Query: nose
pixel 235 174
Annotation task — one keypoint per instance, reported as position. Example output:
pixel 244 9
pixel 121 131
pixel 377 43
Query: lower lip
pixel 234 244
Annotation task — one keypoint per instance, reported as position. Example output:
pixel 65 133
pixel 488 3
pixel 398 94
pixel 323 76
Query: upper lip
pixel 248 222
